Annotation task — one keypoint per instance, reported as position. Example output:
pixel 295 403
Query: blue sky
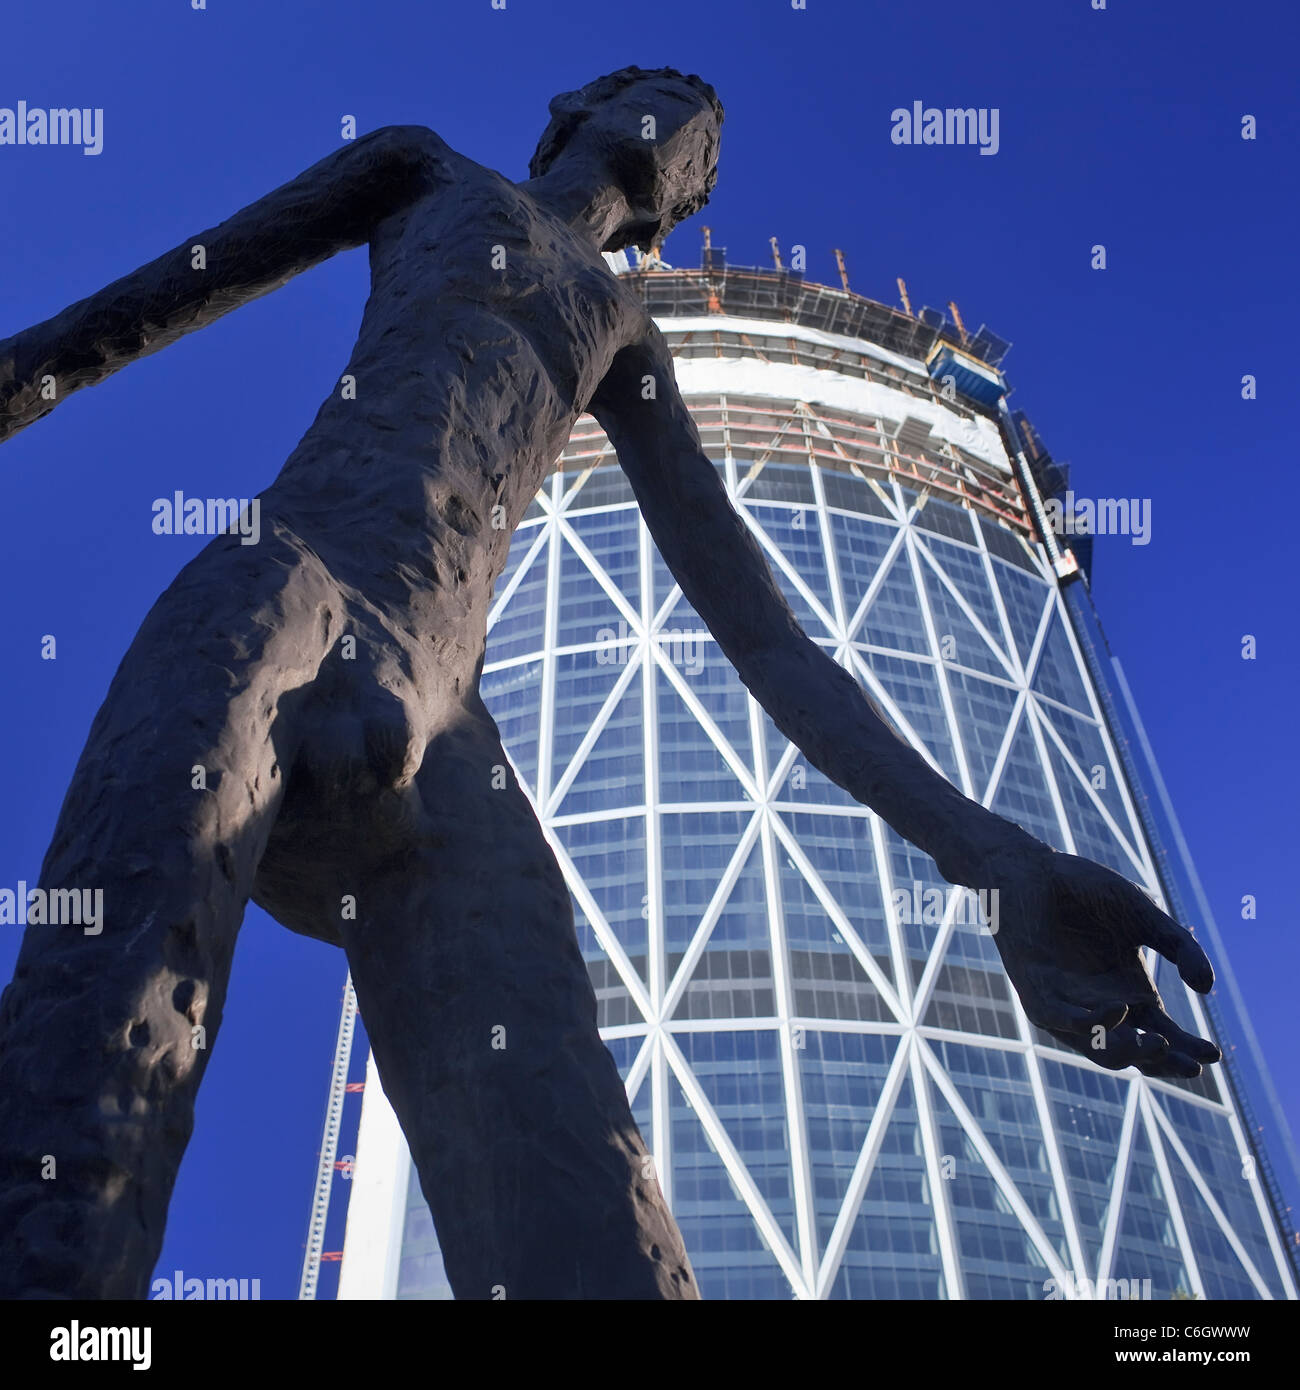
pixel 1119 127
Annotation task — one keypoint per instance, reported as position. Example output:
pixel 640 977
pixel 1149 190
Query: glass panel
pixel 914 688
pixel 584 682
pixel 733 976
pixel 998 1257
pixel 1233 1178
pixel 1147 1247
pixel 587 614
pixel 1083 738
pixel 513 695
pixel 614 539
pixel 521 543
pixel 1087 1108
pixel 1008 546
pixel 894 618
pixel 1024 597
pixel 842 1076
pixel 610 857
pixel 913 872
pixel 851 493
pixel 695 850
pixel 1022 794
pixel 1093 838
pixel 714 683
pixel 893 1248
pixel 1057 675
pixel 960 643
pixel 740 1073
pixel 691 767
pixel 779 482
pixel 728 1254
pixel 965 568
pixel 797 534
pixel 994 1086
pixel 983 709
pixel 841 852
pixel 520 628
pixel 612 775
pixel 826 979
pixel 603 486
pixel 944 519
pixel 860 550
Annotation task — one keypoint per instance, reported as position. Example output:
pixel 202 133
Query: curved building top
pixel 742 333
pixel 716 288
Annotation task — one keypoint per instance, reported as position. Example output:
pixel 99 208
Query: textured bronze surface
pixel 325 683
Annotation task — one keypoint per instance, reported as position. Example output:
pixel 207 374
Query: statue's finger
pixel 1173 1063
pixel 1176 944
pixel 1155 1020
pixel 1124 1047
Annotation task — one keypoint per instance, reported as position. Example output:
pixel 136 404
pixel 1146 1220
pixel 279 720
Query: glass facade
pixel 842 1094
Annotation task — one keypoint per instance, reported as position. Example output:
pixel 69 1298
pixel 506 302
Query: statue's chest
pixel 496 252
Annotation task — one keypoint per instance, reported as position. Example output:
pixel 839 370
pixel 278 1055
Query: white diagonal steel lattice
pixel 794 459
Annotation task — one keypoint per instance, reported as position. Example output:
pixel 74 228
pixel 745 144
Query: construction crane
pixel 902 290
pixel 844 270
pixel 956 318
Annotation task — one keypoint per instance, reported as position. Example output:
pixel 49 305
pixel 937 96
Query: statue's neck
pixel 566 190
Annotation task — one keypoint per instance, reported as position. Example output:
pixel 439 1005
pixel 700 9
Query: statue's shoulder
pixel 412 146
pixel 412 138
pixel 639 327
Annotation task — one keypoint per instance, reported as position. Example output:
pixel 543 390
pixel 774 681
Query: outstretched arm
pixel 332 207
pixel 813 700
pixel 1068 929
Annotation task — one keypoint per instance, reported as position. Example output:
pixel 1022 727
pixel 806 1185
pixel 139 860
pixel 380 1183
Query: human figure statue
pixel 299 722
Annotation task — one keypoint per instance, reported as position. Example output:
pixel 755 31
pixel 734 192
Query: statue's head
pixel 655 131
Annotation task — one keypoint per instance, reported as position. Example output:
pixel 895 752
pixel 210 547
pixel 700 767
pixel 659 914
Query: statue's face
pixel 659 138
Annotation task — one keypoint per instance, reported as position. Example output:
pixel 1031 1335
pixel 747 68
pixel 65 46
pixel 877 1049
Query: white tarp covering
pixel 747 376
pixel 774 328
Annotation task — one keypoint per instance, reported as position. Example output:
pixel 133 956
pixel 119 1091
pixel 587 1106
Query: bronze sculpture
pixel 298 722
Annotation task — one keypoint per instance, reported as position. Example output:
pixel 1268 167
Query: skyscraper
pixel 841 1092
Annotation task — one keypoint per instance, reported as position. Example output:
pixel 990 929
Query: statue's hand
pixel 1069 932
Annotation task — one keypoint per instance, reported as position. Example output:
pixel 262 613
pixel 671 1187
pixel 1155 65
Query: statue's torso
pixel 489 325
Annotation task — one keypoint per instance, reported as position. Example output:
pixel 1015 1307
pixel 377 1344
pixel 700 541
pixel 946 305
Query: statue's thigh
pixel 483 1023
pixel 465 913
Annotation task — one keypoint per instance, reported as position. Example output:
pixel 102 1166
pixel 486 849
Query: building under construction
pixel 842 1093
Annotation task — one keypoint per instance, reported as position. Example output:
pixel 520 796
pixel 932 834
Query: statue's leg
pixel 105 1032
pixel 483 1024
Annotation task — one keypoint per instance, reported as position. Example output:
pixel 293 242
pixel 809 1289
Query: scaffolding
pixel 326 1167
pixel 784 294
